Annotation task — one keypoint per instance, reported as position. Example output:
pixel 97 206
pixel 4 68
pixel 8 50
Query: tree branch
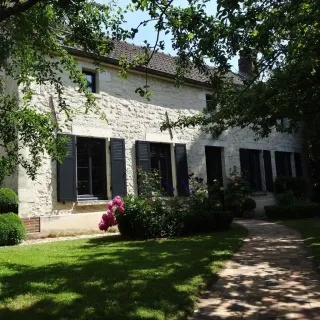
pixel 16 8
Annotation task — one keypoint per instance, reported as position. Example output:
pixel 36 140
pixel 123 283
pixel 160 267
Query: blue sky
pixel 148 32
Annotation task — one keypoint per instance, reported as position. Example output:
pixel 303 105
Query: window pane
pixel 161 161
pixel 91 81
pixel 91 166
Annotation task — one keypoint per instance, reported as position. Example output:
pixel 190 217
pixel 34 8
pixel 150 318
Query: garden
pixel 168 251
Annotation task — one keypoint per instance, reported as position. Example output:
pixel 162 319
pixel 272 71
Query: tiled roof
pixel 160 62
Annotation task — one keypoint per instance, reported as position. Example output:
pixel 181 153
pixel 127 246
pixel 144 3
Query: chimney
pixel 245 66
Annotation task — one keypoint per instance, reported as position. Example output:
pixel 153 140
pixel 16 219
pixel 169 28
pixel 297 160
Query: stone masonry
pixel 133 118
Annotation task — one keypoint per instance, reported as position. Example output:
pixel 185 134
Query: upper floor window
pixel 91 80
pixel 210 103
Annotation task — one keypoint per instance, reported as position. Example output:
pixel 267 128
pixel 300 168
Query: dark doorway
pixel 214 164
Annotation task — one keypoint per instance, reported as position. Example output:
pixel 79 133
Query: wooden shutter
pixel 143 155
pixel 67 172
pixel 298 164
pixel 118 167
pixel 245 162
pixel 268 170
pixel 182 169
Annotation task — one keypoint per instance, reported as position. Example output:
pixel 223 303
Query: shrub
pixel 151 218
pixel 236 191
pixel 286 198
pixel 8 201
pixel 297 185
pixel 12 230
pixel 249 204
pixel 300 210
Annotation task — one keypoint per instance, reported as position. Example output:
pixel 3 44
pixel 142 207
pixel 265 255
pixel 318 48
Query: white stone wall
pixel 133 118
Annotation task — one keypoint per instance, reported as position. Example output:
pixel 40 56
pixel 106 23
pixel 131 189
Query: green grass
pixel 310 231
pixel 110 278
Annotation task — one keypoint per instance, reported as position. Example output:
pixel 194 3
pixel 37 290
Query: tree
pixel 34 39
pixel 281 38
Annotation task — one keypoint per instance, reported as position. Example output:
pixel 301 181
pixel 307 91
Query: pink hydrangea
pixel 110 206
pixel 233 178
pixel 117 201
pixel 236 184
pixel 108 220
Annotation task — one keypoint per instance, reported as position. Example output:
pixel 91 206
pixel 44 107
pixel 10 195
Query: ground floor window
pixel 213 164
pixel 251 167
pixel 157 156
pixel 160 160
pixel 283 164
pixel 91 168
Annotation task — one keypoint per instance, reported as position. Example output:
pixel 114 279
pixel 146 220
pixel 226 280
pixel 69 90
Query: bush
pixel 297 185
pixel 155 218
pixel 236 192
pixel 286 199
pixel 300 210
pixel 152 218
pixel 249 204
pixel 8 201
pixel 12 230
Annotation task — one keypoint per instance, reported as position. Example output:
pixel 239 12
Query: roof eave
pixel 108 60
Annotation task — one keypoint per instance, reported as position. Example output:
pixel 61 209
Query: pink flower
pixel 117 201
pixel 103 226
pixel 233 178
pixel 121 208
pixel 236 184
pixel 110 205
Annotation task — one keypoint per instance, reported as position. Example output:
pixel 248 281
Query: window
pixel 251 168
pixel 213 164
pixel 160 157
pixel 157 156
pixel 283 164
pixel 91 168
pixel 82 174
pixel 91 80
pixel 210 103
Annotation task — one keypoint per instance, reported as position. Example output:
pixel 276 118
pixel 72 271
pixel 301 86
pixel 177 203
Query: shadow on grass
pixel 111 278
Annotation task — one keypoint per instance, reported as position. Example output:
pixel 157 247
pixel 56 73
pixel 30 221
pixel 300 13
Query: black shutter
pixel 66 173
pixel 279 163
pixel 298 164
pixel 245 163
pixel 143 155
pixel 118 167
pixel 268 170
pixel 182 169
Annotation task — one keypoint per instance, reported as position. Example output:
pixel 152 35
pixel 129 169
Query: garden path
pixel 271 277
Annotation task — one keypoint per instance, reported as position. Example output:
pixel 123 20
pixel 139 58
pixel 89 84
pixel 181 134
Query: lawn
pixel 310 231
pixel 110 278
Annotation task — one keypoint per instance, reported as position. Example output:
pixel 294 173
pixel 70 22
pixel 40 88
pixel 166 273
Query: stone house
pixel 103 157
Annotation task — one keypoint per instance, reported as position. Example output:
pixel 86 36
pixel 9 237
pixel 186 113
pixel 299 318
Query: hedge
pixel 297 185
pixel 8 201
pixel 12 230
pixel 309 210
pixel 169 218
